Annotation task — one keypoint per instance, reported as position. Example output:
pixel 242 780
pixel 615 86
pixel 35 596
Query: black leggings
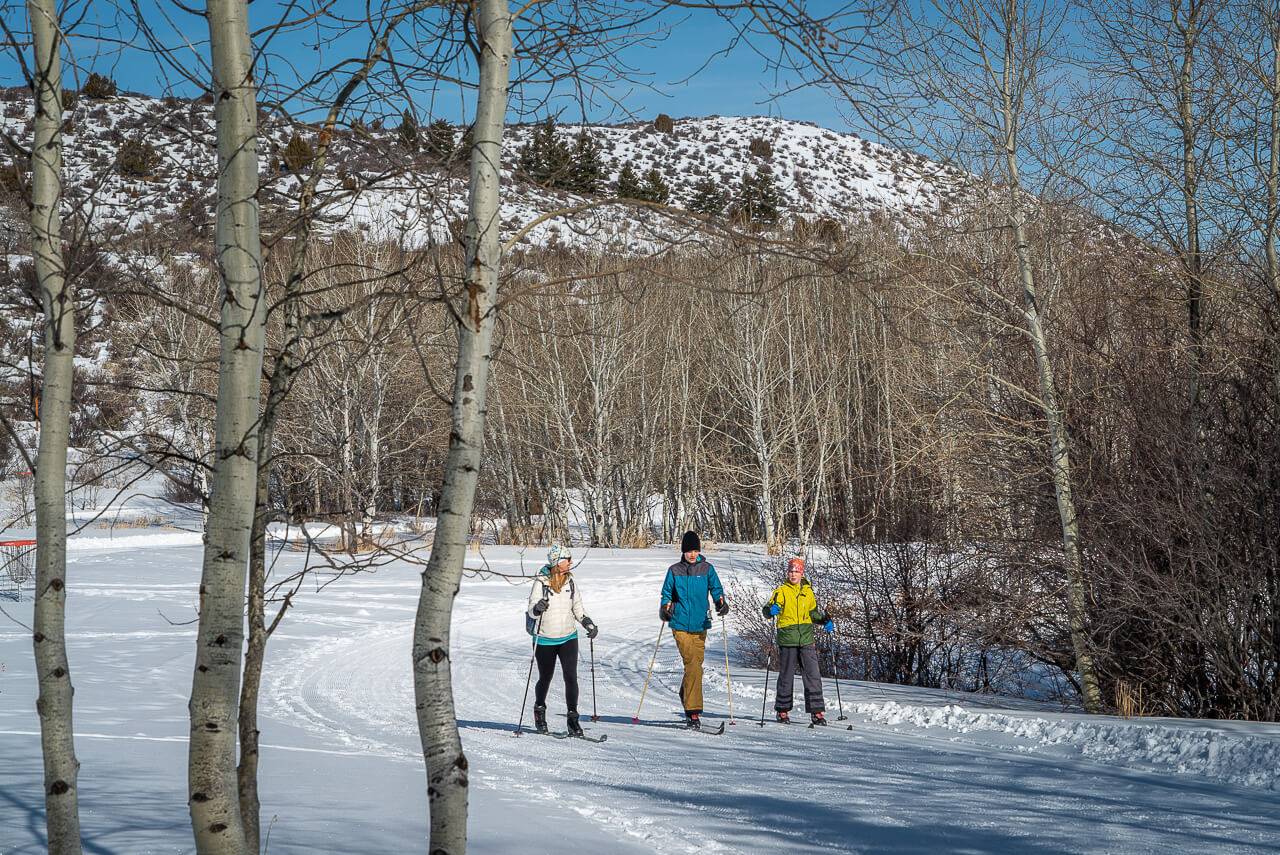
pixel 546 655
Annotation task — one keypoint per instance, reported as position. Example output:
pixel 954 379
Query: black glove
pixel 722 607
pixel 541 606
pixel 665 611
pixel 592 629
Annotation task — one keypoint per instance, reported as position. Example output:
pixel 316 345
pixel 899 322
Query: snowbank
pixel 151 540
pixel 1236 759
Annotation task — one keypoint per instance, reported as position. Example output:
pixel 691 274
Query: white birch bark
pixel 447 777
pixel 211 767
pixel 53 672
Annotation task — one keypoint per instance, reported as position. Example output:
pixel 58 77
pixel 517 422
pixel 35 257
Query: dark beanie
pixel 690 542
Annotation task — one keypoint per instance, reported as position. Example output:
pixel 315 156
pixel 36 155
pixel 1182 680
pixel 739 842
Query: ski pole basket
pixel 17 568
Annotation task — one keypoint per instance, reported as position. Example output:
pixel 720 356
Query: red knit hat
pixel 795 562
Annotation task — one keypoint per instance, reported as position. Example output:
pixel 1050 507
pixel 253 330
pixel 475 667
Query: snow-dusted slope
pixel 342 769
pixel 373 184
pixel 821 172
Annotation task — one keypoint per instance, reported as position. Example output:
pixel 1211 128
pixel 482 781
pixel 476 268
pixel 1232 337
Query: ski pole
pixel 537 630
pixel 765 700
pixel 635 719
pixel 727 676
pixel 592 643
pixel 767 662
pixel 527 680
pixel 835 670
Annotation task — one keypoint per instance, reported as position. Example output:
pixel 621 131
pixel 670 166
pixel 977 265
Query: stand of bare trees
pixel 1037 433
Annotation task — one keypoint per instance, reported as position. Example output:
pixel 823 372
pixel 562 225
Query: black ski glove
pixel 666 610
pixel 541 606
pixel 592 629
pixel 722 606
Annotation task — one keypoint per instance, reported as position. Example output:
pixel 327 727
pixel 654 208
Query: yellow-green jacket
pixel 799 612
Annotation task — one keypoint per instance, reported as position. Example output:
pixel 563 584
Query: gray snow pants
pixel 807 659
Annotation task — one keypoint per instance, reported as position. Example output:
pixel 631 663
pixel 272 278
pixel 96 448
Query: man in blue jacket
pixel 690 583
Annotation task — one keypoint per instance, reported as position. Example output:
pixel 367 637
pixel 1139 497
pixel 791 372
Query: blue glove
pixel 829 626
pixel 774 608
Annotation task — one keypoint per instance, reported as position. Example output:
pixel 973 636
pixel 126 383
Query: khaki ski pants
pixel 692 647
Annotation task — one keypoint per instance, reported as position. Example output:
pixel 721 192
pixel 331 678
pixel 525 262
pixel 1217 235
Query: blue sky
pixel 734 84
pixel 684 75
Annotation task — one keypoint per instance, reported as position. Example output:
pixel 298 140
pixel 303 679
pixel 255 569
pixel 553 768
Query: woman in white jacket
pixel 555 609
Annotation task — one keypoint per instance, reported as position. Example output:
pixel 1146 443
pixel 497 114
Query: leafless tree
pixel 475 317
pixel 216 818
pixel 57 298
pixel 1160 113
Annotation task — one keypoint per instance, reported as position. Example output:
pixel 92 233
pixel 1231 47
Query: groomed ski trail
pixel 866 790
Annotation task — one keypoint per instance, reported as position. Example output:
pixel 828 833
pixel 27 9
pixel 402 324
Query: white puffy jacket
pixel 564 612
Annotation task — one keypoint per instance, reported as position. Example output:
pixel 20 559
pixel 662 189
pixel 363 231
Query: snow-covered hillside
pixel 821 172
pixel 374 184
pixel 918 771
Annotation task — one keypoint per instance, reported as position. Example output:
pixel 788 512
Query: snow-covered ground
pixel 920 771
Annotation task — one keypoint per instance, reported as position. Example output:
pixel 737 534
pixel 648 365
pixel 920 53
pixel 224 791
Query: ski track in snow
pixel 361 685
pixel 359 690
pixel 920 771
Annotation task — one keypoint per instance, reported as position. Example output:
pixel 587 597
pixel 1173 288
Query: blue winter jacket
pixel 689 586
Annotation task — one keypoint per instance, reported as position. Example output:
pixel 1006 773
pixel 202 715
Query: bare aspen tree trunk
pixel 1060 471
pixel 984 59
pixel 1271 180
pixel 447 780
pixel 1059 441
pixel 211 764
pixel 1193 259
pixel 515 487
pixel 762 450
pixel 53 672
pixel 286 366
pixel 254 654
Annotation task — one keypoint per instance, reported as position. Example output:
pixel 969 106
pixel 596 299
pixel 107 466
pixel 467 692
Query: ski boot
pixel 818 719
pixel 694 721
pixel 784 717
pixel 575 729
pixel 540 719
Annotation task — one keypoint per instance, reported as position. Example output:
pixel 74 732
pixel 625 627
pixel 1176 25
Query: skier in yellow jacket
pixel 796 608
